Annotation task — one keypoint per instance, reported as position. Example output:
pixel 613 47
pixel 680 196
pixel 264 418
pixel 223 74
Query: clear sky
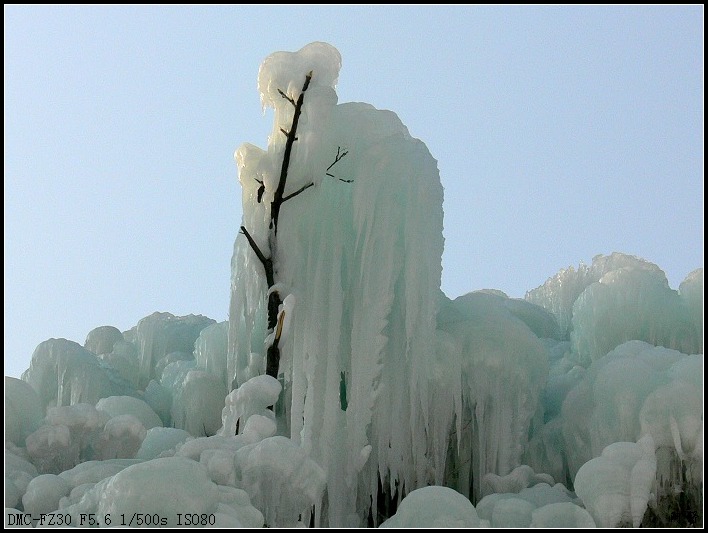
pixel 560 132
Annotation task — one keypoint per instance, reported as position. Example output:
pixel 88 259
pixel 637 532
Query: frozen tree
pixel 275 318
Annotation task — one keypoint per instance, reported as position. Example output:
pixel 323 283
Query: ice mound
pixel 66 437
pixel 635 389
pixel 561 515
pixel 92 472
pixel 63 372
pixel 515 509
pixel 18 474
pixel 43 494
pixel 159 439
pixel 434 507
pixel 23 411
pixel 101 340
pixel 121 438
pixel 169 487
pixel 252 398
pixel 127 405
pixel 159 334
pixel 283 482
pixel 615 487
pixel 621 298
pixel 520 478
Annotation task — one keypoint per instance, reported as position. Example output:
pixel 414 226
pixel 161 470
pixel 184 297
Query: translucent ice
pixel 504 368
pixel 210 351
pixel 634 390
pixel 630 304
pixel 92 472
pixel 559 293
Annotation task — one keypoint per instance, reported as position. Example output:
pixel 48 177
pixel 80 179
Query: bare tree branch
pixel 261 190
pixel 337 158
pixel 279 192
pixel 286 97
pixel 267 262
pixel 293 195
pixel 340 155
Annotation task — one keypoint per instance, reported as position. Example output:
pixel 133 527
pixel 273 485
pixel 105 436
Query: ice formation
pixel 434 507
pixel 592 383
pixel 616 486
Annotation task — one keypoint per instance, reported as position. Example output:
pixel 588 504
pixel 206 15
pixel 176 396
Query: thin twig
pixel 265 261
pixel 279 192
pixel 337 158
pixel 286 97
pixel 293 195
pixel 340 155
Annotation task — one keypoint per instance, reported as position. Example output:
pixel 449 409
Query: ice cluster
pixel 578 406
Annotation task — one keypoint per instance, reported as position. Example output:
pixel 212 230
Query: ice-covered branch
pixel 281 93
pixel 340 155
pixel 267 262
pixel 293 195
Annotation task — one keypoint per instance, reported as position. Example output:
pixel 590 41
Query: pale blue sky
pixel 561 133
